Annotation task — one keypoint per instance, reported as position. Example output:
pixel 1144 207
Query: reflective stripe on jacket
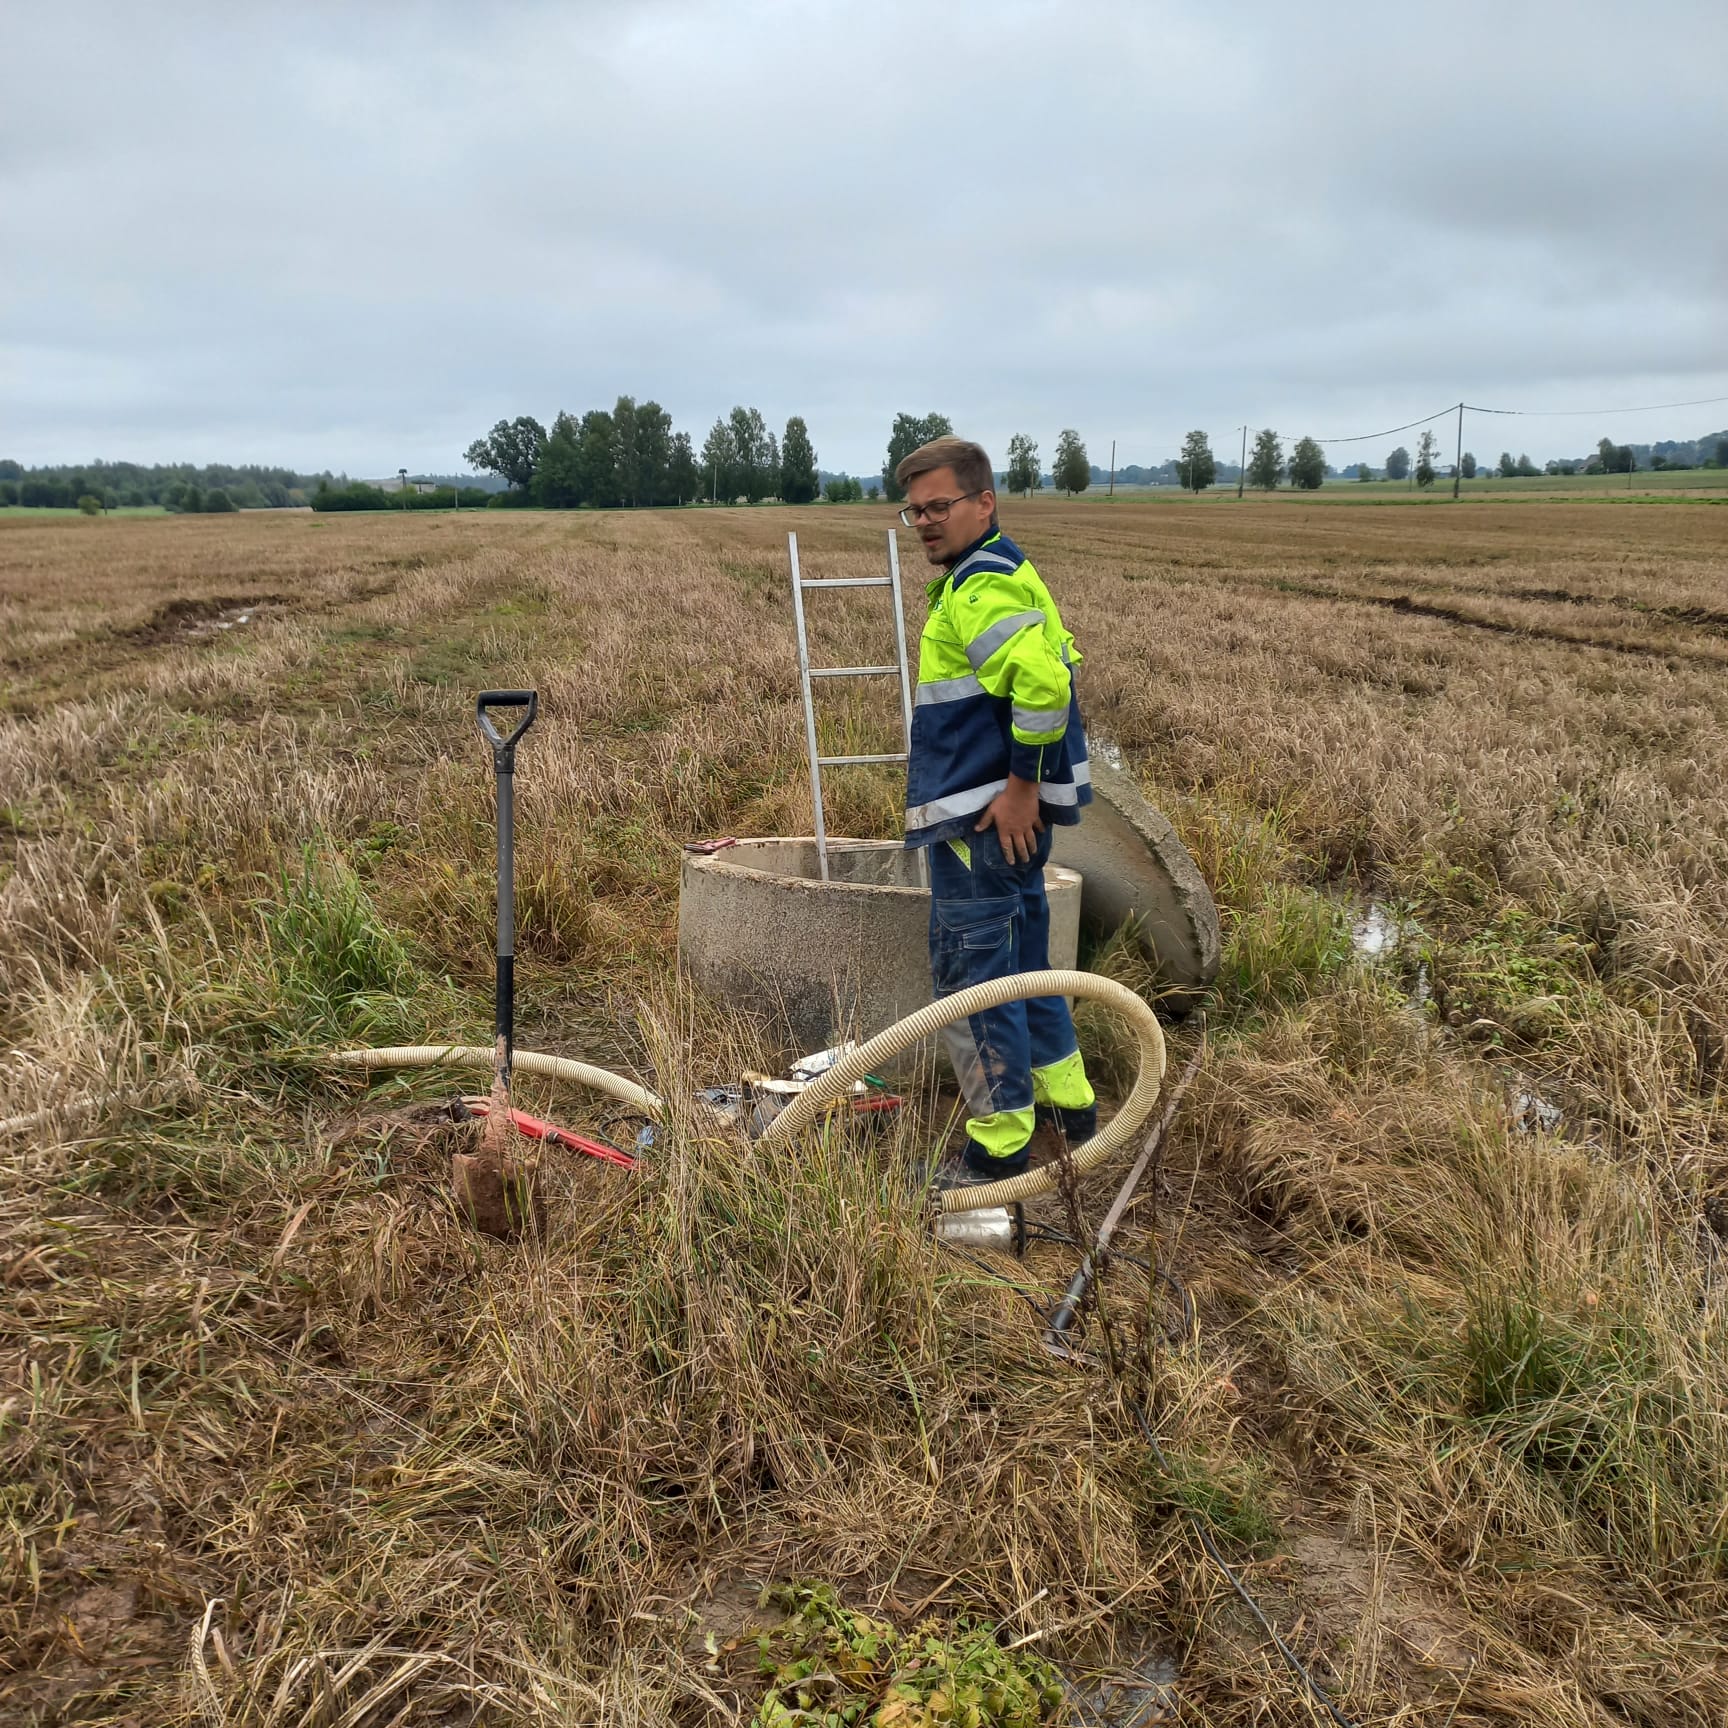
pixel 996 697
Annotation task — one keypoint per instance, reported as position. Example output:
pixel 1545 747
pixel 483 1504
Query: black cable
pixel 1045 1233
pixel 1294 1662
pixel 1409 425
pixel 1036 1232
pixel 990 1271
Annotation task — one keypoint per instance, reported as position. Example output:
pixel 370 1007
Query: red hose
pixel 532 1128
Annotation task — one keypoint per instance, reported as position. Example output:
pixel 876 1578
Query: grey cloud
pixel 355 236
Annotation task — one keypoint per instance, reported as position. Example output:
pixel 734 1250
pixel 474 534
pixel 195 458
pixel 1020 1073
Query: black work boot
pixel 1075 1126
pixel 971 1167
pixel 982 1167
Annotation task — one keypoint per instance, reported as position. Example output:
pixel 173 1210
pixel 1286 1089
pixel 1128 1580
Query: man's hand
pixel 1013 813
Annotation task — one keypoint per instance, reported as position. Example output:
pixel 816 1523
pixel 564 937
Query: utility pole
pixel 1458 459
pixel 1112 492
pixel 1242 472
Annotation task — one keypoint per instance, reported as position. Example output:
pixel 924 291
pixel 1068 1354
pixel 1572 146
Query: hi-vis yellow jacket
pixel 995 697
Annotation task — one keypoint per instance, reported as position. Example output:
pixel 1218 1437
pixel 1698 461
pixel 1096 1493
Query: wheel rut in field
pixel 1412 606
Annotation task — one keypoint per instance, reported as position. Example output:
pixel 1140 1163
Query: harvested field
pixel 282 1442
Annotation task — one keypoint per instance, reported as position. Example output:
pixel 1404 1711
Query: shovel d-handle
pixel 504 746
pixel 504 761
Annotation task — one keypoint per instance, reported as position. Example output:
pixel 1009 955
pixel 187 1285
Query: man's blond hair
pixel 970 464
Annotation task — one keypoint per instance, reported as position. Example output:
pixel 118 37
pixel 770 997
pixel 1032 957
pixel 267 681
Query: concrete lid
pixel 1135 867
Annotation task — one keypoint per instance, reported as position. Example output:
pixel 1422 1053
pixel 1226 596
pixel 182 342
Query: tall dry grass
pixel 282 1443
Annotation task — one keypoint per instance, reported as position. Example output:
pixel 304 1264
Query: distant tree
pixel 1024 473
pixel 1307 465
pixel 1616 458
pixel 511 450
pixel 1071 469
pixel 1364 471
pixel 842 489
pixel 873 492
pixel 749 453
pixel 654 451
pixel 1398 464
pixel 1567 468
pixel 10 470
pixel 216 503
pixel 797 463
pixel 1721 456
pixel 1508 465
pixel 718 476
pixel 626 455
pixel 192 500
pixel 909 431
pixel 1266 460
pixel 92 506
pixel 1427 447
pixel 8 493
pixel 771 469
pixel 558 477
pixel 1467 466
pixel 597 459
pixel 682 481
pixel 1526 468
pixel 1196 467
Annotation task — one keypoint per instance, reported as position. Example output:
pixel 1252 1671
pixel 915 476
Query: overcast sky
pixel 353 236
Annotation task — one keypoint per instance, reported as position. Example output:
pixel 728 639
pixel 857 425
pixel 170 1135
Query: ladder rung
pixel 857 761
pixel 852 671
pixel 846 582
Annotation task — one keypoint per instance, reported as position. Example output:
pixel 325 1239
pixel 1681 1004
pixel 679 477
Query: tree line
pixel 631 456
pixel 214 487
pixel 1305 467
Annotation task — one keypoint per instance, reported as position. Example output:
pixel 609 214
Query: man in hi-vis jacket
pixel 998 755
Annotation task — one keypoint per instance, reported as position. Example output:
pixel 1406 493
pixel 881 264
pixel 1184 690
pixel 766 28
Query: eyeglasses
pixel 935 511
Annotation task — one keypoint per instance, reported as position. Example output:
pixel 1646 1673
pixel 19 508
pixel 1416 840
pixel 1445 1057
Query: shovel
pixel 494 1189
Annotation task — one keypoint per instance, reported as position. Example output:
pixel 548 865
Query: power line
pixel 1477 408
pixel 1367 437
pixel 1524 413
pixel 1594 413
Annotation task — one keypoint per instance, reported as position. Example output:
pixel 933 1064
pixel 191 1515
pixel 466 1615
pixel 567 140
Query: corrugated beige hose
pixel 524 1061
pixel 838 1081
pixel 1087 986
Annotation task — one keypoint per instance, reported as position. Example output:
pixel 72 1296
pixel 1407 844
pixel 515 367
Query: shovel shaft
pixel 504 764
pixel 505 995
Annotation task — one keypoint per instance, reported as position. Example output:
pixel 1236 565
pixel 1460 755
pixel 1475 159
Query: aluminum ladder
pixel 808 673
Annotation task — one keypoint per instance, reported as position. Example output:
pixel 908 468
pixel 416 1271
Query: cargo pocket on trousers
pixel 974 942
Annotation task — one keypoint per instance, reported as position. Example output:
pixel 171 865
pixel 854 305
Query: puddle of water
pixel 1531 1112
pixel 1376 933
pixel 1142 1696
pixel 223 621
pixel 1110 754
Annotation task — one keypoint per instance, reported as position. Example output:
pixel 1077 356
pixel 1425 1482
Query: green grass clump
pixel 1525 979
pixel 1283 949
pixel 331 967
pixel 1586 1390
